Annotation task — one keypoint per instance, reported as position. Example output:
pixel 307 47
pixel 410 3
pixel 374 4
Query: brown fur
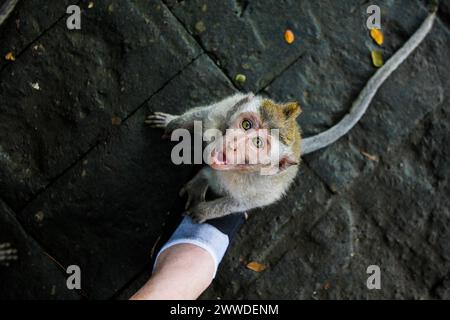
pixel 283 117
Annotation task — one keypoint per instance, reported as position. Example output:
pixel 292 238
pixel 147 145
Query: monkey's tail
pixel 6 9
pixel 361 103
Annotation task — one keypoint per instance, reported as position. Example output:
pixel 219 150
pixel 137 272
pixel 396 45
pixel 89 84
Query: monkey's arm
pixel 171 122
pixel 6 9
pixel 196 188
pixel 215 209
pixel 360 105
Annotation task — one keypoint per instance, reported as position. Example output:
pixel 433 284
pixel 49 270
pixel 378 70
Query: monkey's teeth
pixel 222 158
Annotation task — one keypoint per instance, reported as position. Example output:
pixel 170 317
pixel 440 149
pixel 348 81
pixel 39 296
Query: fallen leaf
pixel 256 266
pixel 241 78
pixel 90 5
pixel 377 36
pixel 39 216
pixel 200 27
pixel 116 121
pixel 289 36
pixel 10 56
pixel 35 86
pixel 370 156
pixel 377 58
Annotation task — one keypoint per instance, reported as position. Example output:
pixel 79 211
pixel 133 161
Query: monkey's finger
pixel 197 218
pixel 155 116
pixel 5 245
pixel 155 120
pixel 155 125
pixel 203 194
pixel 188 203
pixel 163 114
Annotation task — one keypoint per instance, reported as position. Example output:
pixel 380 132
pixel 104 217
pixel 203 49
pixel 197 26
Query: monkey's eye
pixel 246 124
pixel 258 142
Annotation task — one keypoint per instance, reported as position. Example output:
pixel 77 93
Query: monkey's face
pixel 258 138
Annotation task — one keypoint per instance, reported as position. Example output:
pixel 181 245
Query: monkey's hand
pixel 200 212
pixel 7 254
pixel 195 190
pixel 214 209
pixel 160 120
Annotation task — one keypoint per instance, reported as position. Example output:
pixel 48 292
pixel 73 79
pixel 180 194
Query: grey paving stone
pixel 247 37
pixel 327 82
pixel 28 22
pixel 86 78
pixel 34 275
pixel 270 234
pixel 108 211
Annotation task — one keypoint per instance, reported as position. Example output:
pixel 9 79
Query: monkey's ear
pixel 292 110
pixel 286 162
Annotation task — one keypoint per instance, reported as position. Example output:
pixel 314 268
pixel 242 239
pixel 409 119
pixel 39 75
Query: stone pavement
pixel 84 182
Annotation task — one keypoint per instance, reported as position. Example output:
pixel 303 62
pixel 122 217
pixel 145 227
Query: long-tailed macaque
pixel 247 123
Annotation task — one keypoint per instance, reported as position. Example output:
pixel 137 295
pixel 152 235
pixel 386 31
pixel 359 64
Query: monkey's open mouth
pixel 222 157
pixel 218 159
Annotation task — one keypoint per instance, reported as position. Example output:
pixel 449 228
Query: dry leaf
pixel 10 56
pixel 35 86
pixel 200 26
pixel 240 78
pixel 116 121
pixel 370 156
pixel 289 36
pixel 377 36
pixel 256 266
pixel 377 58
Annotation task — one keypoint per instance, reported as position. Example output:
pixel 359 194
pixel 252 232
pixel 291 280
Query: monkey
pixel 7 254
pixel 242 186
pixel 6 9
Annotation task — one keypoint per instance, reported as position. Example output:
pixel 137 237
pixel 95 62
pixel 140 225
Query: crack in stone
pixel 209 53
pixel 28 46
pixel 36 241
pixel 86 153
